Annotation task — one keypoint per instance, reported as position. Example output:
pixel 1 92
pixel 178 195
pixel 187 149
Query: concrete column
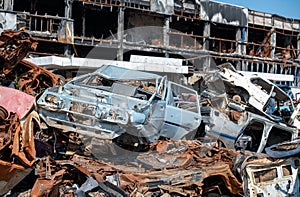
pixel 83 22
pixel 7 5
pixel 244 39
pixel 273 42
pixel 298 46
pixel 67 50
pixel 166 30
pixel 68 8
pixel 206 34
pixel 238 39
pixel 120 33
pixel 68 14
pixel 166 36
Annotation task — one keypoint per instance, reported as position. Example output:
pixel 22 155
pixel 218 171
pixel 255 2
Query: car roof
pixel 119 73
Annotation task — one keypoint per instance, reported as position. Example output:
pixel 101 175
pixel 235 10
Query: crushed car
pixel 114 103
pixel 18 123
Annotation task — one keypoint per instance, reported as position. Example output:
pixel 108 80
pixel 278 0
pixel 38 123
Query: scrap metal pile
pixel 18 73
pixel 120 132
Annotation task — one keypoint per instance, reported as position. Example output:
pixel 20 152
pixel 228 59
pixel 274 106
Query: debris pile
pixel 119 132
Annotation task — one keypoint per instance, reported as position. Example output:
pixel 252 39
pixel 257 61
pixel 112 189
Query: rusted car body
pixel 18 73
pixel 14 47
pixel 113 101
pixel 263 177
pixel 33 79
pixel 18 123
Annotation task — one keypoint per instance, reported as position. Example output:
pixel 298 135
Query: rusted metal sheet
pixel 51 177
pixel 183 168
pixel 192 178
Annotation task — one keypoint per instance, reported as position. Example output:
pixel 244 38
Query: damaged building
pixel 251 40
pixel 254 41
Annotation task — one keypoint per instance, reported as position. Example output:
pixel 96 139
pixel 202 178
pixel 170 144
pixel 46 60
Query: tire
pixel 3 113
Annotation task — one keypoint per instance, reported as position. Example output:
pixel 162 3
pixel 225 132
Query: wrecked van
pixel 113 102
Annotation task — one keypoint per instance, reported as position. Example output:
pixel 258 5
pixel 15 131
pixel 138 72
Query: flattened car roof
pixel 118 73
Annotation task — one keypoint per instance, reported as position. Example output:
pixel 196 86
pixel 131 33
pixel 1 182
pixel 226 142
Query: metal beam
pixel 53 62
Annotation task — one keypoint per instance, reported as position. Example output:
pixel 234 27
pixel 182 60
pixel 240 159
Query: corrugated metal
pixel 265 19
pixel 224 13
pixel 260 18
pixel 162 6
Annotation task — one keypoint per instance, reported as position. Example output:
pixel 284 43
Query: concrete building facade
pixel 189 30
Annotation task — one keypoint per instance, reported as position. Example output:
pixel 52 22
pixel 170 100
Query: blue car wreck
pixel 114 101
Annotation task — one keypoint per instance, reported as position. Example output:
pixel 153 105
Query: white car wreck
pixel 114 101
pixel 235 128
pixel 250 114
pixel 262 96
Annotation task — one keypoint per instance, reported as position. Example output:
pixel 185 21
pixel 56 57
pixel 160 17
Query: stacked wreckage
pixel 121 132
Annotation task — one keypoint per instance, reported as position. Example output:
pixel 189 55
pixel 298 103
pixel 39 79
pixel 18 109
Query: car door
pixel 182 113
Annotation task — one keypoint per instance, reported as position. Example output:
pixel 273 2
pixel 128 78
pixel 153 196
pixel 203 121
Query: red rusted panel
pixel 15 101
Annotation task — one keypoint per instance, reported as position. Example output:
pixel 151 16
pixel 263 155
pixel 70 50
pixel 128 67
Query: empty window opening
pixel 265 175
pixel 278 135
pixel 254 130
